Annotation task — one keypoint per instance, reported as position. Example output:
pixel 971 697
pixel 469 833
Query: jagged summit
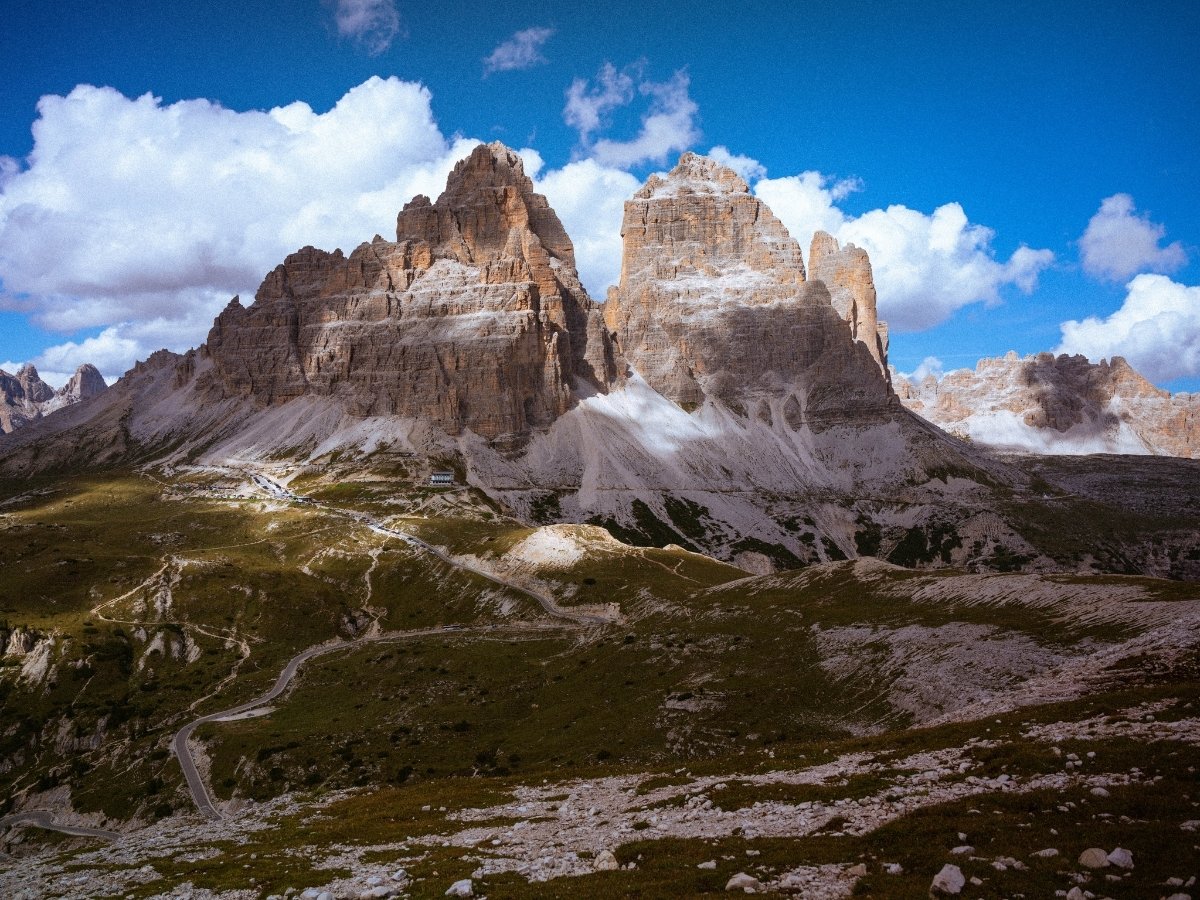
pixel 474 318
pixel 694 174
pixel 487 196
pixel 846 272
pixel 25 398
pixel 36 390
pixel 714 301
pixel 86 383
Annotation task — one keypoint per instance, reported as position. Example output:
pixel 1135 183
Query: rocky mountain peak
pixel 846 272
pixel 694 174
pixel 87 382
pixel 36 390
pixel 474 318
pixel 713 299
pixel 488 211
pixel 1058 404
pixel 25 398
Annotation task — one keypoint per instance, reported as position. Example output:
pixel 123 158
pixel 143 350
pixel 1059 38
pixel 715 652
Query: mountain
pixel 474 318
pixel 725 399
pixel 25 398
pixel 1064 404
pixel 755 422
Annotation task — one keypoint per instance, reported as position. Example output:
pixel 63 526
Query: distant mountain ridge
pixel 25 398
pixel 1064 404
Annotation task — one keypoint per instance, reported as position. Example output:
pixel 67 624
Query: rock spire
pixel 473 318
pixel 714 302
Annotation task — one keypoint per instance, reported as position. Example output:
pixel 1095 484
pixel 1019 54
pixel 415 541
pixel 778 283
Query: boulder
pixel 1121 858
pixel 1093 858
pixel 948 882
pixel 743 882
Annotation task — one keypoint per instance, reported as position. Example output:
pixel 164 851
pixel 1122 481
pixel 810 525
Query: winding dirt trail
pixel 180 742
pixel 44 818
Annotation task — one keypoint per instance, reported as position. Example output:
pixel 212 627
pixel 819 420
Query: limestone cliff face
pixel 473 318
pixel 25 398
pixel 713 302
pixel 846 272
pixel 1061 404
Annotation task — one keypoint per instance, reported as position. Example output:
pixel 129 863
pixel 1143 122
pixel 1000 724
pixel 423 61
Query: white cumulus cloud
pixel 667 126
pixel 521 51
pixel 590 200
pixel 749 169
pixel 1157 329
pixel 930 365
pixel 130 211
pixel 926 265
pixel 1119 242
pixel 372 24
pixel 588 104
pixel 805 203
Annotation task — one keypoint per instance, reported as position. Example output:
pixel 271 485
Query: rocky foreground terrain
pixel 660 724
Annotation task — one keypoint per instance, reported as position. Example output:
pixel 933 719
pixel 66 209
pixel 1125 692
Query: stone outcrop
pixel 86 383
pixel 1060 404
pixel 713 302
pixel 846 272
pixel 25 398
pixel 474 318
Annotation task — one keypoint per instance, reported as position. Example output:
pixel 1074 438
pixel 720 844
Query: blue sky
pixel 1025 118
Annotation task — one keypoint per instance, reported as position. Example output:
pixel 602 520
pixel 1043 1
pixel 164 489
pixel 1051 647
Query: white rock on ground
pixel 948 882
pixel 461 889
pixel 1093 858
pixel 606 862
pixel 1121 858
pixel 743 882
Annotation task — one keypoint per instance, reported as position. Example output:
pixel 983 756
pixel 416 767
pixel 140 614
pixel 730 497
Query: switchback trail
pixel 281 492
pixel 179 744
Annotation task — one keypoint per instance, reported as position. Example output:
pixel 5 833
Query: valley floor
pixel 377 693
